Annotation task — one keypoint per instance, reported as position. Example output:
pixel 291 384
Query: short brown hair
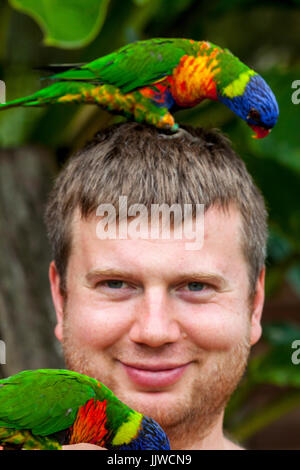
pixel 136 161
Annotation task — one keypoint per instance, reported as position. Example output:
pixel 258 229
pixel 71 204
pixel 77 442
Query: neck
pixel 200 435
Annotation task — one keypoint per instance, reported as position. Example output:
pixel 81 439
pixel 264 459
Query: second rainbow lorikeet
pixel 47 408
pixel 149 80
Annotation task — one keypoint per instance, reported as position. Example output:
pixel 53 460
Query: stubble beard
pixel 200 406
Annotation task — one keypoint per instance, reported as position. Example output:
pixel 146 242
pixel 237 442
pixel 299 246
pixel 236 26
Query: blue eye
pixel 195 286
pixel 114 284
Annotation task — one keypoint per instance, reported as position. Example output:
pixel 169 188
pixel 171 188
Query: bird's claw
pixel 181 133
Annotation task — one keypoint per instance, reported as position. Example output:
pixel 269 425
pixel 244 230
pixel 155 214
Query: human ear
pixel 257 308
pixel 58 299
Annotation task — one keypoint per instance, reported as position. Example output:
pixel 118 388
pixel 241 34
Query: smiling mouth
pixel 156 375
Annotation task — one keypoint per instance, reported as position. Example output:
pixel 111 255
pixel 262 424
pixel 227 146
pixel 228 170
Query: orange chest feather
pixel 193 80
pixel 90 424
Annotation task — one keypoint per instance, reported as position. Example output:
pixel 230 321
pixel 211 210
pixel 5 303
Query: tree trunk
pixel 27 317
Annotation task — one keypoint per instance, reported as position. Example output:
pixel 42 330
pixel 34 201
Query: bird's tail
pixel 27 101
pixel 59 92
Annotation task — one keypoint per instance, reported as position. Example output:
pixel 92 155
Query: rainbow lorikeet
pixel 148 80
pixel 46 408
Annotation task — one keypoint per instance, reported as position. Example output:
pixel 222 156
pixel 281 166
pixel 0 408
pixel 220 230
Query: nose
pixel 155 321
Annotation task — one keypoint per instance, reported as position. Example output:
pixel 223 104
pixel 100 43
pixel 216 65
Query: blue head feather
pixel 257 105
pixel 150 437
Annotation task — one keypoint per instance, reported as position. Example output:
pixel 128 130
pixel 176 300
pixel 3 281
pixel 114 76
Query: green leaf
pixel 275 367
pixel 280 333
pixel 66 24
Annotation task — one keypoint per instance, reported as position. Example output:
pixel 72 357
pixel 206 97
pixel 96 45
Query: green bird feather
pixel 48 408
pixel 149 80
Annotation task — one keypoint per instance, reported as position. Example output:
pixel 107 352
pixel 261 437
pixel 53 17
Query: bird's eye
pixel 254 114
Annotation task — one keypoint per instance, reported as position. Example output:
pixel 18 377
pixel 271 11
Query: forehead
pixel 221 248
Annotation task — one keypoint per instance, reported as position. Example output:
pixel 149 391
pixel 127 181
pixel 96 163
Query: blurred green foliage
pixel 265 35
pixel 278 365
pixel 63 23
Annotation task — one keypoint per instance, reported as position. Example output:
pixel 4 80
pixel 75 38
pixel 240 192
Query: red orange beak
pixel 260 132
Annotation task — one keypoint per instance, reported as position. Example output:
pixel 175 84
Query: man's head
pixel 124 305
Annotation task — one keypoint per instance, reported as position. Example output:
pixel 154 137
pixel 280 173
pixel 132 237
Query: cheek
pixel 95 327
pixel 213 328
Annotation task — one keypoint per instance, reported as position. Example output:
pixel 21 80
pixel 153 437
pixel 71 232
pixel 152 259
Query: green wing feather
pixel 54 408
pixel 135 65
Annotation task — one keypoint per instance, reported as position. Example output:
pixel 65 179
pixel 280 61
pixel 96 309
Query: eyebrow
pixel 107 272
pixel 221 281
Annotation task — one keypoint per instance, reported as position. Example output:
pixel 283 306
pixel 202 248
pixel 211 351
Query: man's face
pixel 167 329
